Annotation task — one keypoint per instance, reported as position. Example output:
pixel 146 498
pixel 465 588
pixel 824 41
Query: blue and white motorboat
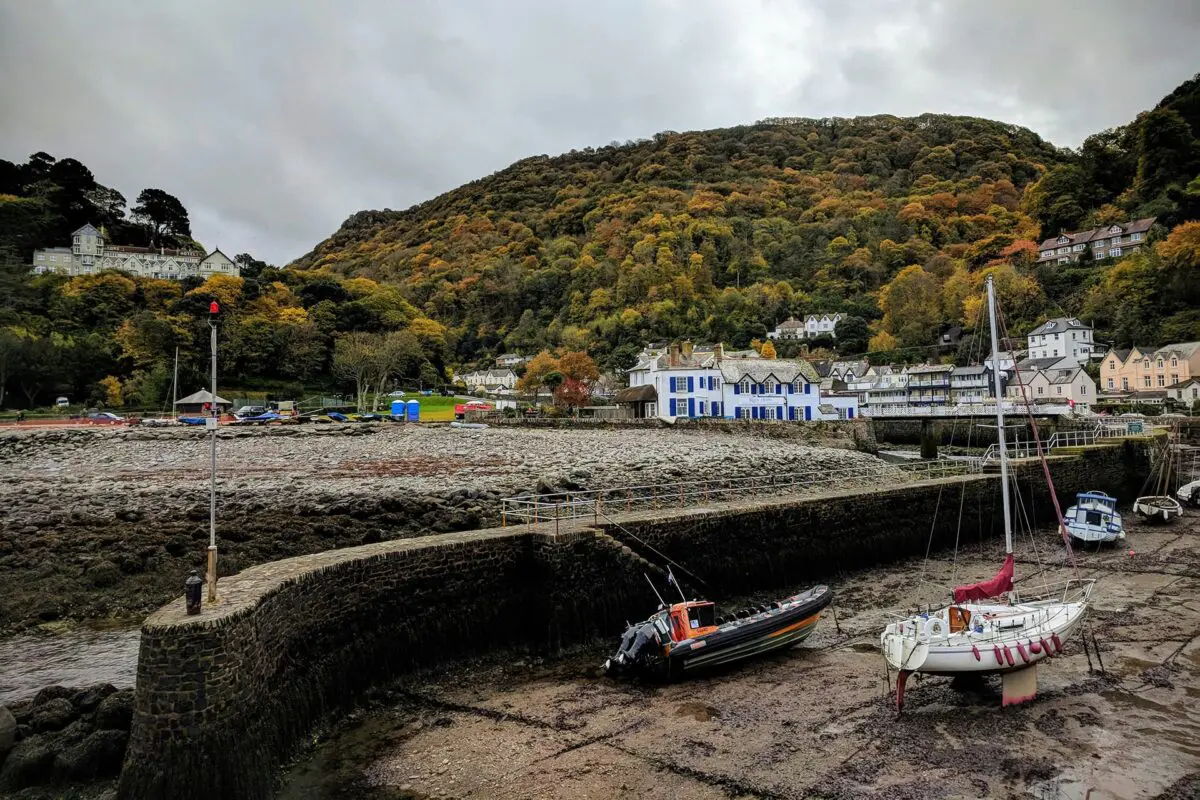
pixel 1094 518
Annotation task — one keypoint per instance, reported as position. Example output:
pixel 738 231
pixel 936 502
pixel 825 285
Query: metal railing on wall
pixel 596 503
pixel 1059 439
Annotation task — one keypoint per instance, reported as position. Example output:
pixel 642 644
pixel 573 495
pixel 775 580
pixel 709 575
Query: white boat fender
pixel 934 626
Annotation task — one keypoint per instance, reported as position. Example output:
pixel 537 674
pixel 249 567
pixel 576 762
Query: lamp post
pixel 213 310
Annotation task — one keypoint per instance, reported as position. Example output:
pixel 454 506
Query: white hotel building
pixel 680 383
pixel 89 253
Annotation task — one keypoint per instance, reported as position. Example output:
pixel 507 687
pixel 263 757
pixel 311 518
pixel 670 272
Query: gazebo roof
pixel 202 396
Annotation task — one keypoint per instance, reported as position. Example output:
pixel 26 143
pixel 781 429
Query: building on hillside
pixel 973 384
pixel 814 325
pixel 683 383
pixel 511 360
pixel 929 384
pixel 1069 385
pixel 90 253
pixel 1137 370
pixel 489 377
pixel 1062 337
pixel 1108 241
pixel 888 391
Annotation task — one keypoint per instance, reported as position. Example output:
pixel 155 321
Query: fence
pixel 594 504
pixel 1075 438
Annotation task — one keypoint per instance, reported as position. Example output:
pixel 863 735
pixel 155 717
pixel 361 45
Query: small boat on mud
pixel 1189 493
pixel 1094 518
pixel 688 636
pixel 1158 508
pixel 1161 507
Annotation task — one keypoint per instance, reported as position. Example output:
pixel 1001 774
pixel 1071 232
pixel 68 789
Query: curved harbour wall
pixel 224 698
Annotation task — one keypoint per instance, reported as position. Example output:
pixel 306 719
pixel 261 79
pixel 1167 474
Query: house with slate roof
pixel 684 383
pixel 1062 337
pixel 90 253
pixel 1107 241
pixel 1139 371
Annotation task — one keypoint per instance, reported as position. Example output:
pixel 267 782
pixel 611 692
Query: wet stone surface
pixel 817 721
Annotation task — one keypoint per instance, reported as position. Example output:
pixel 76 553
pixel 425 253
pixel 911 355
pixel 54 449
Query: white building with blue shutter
pixel 682 383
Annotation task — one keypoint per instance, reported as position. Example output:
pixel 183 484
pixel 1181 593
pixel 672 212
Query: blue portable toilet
pixel 414 411
pixel 398 409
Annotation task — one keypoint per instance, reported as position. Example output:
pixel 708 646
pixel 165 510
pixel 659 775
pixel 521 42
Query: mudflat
pixel 818 721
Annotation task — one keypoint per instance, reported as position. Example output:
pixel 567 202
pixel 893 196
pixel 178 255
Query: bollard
pixel 192 592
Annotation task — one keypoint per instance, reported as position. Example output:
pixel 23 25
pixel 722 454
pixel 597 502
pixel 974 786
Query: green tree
pixel 853 335
pixel 163 216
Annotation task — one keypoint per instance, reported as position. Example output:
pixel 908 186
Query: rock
pixel 103 574
pixel 8 732
pixel 115 712
pixel 48 693
pixel 86 700
pixel 54 715
pixel 29 763
pixel 99 755
pixel 178 545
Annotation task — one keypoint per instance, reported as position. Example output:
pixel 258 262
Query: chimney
pixel 673 354
pixel 687 348
pixel 718 352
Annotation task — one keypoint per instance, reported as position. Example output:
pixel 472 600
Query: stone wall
pixel 962 432
pixel 223 699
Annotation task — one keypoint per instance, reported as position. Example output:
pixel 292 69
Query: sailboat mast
pixel 1008 538
pixel 175 383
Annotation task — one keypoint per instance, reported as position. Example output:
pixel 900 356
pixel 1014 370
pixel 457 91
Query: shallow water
pixel 79 657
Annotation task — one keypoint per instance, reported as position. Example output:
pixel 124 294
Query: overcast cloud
pixel 274 120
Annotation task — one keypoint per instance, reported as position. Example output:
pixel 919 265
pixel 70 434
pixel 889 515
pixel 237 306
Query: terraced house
pixel 1136 371
pixel 1108 241
pixel 681 382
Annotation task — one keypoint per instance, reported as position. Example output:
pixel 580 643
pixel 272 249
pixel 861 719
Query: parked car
pixel 62 402
pixel 249 411
pixel 104 417
pixel 397 393
pixel 427 392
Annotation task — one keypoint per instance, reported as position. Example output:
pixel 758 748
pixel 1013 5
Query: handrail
pixel 595 503
pixel 1073 438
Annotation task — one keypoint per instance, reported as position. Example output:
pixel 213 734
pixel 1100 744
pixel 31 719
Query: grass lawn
pixel 433 409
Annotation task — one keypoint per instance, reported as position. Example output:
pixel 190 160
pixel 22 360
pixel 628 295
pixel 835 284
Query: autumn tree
pixel 910 305
pixel 536 370
pixel 768 349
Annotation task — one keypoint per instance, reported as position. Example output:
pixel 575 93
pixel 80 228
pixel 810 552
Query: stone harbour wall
pixel 224 698
pixel 973 432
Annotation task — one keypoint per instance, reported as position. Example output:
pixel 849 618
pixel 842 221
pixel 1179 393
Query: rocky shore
pixel 108 523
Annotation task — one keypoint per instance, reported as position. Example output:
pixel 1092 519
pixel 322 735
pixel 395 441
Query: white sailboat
pixel 1162 507
pixel 988 628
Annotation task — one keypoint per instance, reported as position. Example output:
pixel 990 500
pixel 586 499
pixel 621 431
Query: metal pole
pixel 1008 537
pixel 212 495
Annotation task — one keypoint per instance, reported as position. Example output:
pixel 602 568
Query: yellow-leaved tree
pixel 768 349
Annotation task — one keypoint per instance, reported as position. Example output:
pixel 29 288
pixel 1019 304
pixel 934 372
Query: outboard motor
pixel 632 653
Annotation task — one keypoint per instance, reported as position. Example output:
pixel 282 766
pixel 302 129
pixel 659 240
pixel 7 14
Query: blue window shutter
pixel 779 388
pixel 737 388
pixel 691 384
pixel 849 413
pixel 672 383
pixel 754 388
pixel 808 388
pixel 808 413
pixel 691 406
pixel 791 413
pixel 791 388
pixel 754 413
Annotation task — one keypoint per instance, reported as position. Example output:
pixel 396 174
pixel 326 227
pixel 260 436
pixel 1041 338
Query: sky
pixel 274 120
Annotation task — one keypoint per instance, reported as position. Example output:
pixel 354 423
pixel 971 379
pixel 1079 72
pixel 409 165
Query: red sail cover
pixel 1000 584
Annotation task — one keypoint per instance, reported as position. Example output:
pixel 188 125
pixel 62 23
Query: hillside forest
pixel 711 235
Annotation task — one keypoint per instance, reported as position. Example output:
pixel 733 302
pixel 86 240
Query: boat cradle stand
pixel 1016 687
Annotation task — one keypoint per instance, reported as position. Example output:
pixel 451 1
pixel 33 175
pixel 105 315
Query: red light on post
pixel 213 308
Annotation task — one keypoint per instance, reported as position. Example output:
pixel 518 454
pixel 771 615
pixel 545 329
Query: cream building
pixel 1136 370
pixel 90 253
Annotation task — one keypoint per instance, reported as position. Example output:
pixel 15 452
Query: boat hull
pixel 1159 509
pixel 1012 638
pixel 785 624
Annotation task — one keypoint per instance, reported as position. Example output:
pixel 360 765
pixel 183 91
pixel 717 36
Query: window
pixel 1047 253
pixel 743 413
pixel 1079 247
pixel 1064 261
pixel 1062 251
pixel 1159 363
pixel 1083 389
pixel 1111 383
pixel 1174 378
pixel 1058 390
pixel 1116 251
pixel 745 386
pixel 1098 244
pixel 1162 381
pixel 1063 240
pixel 1135 237
pixel 1146 363
pixel 1195 392
pixel 798 386
pixel 1174 361
pixel 768 413
pixel 1112 365
pixel 1116 239
pixel 1125 384
pixel 1041 390
pixel 1146 380
pixel 770 386
pixel 681 408
pixel 1056 352
pixel 703 408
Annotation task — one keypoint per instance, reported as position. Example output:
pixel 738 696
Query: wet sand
pixel 817 721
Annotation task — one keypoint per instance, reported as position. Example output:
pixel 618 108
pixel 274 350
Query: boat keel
pixel 901 679
pixel 1019 686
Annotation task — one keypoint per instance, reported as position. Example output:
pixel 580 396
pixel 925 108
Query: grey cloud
pixel 275 120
